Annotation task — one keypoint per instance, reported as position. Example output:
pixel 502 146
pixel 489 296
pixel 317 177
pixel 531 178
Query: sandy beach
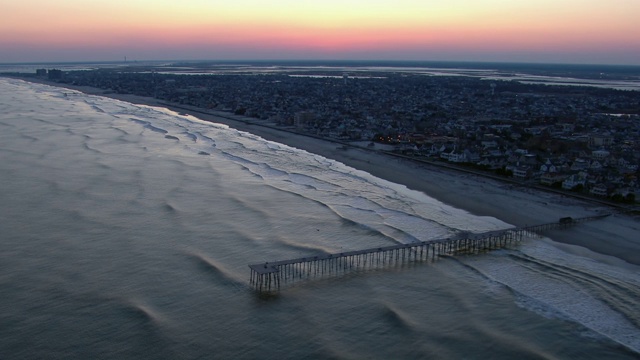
pixel 612 239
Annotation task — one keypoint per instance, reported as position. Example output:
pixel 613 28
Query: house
pixel 600 140
pixel 595 165
pixel 599 190
pixel 629 169
pixel 625 191
pixel 489 141
pixel 454 155
pixel 535 130
pixel 579 164
pixel 457 157
pixel 600 154
pixel 471 156
pixel 565 127
pixel 528 159
pixel 548 167
pixel 493 162
pixel 552 178
pixel 574 180
pixel 521 172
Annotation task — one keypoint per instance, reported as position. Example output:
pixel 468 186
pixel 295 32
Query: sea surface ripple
pixel 127 230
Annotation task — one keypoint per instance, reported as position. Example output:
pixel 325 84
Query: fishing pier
pixel 271 276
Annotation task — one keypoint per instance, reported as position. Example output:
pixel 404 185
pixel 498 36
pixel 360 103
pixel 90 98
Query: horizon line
pixel 134 61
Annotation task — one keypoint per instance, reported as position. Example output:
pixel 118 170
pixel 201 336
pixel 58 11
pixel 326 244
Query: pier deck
pixel 270 276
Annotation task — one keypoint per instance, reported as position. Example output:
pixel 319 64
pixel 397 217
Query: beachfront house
pixel 455 156
pixel 574 181
pixel 599 190
pixel 552 178
pixel 521 172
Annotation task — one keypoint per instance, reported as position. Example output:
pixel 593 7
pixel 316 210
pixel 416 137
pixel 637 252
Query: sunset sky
pixel 554 31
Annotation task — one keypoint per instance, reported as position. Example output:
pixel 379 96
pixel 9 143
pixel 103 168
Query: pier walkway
pixel 271 276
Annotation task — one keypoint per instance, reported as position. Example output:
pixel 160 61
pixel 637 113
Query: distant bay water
pixel 620 77
pixel 126 232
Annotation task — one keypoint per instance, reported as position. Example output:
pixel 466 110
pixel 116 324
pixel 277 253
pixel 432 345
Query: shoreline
pixel 515 204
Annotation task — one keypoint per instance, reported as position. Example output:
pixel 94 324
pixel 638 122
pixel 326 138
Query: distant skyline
pixel 540 31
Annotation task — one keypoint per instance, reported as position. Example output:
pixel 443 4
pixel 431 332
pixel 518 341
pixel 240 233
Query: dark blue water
pixel 126 232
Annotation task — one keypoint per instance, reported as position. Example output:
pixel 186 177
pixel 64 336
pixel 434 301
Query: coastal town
pixel 576 139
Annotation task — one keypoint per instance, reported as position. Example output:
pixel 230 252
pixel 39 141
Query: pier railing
pixel 271 276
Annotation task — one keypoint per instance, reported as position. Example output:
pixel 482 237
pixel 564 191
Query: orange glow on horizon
pixel 328 26
pixel 329 38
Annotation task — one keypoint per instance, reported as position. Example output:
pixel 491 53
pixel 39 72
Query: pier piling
pixel 270 276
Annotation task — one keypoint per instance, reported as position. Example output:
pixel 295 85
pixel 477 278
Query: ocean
pixel 126 232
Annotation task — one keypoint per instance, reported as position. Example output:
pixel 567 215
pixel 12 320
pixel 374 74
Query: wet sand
pixel 615 236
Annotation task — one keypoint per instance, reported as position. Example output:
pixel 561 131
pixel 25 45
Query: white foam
pixel 557 284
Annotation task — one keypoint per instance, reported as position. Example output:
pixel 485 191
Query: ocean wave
pixel 140 311
pixel 396 319
pixel 156 129
pixel 310 249
pixel 218 272
pixel 561 289
pixel 191 136
pixel 618 295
